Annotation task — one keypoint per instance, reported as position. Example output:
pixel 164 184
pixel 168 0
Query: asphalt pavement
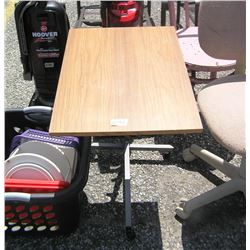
pixel 157 184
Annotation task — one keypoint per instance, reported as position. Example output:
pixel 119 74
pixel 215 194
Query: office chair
pixel 196 59
pixel 222 32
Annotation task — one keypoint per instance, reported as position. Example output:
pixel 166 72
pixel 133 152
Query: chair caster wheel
pixel 130 233
pixel 166 156
pixel 181 211
pixel 187 155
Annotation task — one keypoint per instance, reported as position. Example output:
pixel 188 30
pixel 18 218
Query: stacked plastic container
pixel 44 175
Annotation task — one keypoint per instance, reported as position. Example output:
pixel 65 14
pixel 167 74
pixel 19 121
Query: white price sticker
pixel 119 122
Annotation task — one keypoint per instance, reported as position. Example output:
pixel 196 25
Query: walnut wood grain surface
pixel 136 75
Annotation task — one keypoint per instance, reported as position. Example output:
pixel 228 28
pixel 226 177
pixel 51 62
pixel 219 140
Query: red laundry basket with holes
pixel 44 206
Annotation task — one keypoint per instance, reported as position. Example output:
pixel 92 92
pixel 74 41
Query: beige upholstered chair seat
pixel 222 33
pixel 222 105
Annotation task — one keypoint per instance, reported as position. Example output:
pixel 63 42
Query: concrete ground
pixel 157 185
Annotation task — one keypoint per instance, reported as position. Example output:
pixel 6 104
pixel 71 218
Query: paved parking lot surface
pixel 158 183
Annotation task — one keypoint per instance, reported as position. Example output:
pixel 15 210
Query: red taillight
pixel 125 11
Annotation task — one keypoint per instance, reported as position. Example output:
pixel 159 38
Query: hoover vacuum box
pixel 36 198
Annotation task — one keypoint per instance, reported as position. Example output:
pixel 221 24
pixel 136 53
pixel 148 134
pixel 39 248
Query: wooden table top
pixel 124 81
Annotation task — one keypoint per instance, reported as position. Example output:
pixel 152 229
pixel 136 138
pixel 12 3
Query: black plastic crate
pixel 43 212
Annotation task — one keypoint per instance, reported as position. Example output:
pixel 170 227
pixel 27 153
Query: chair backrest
pixel 222 30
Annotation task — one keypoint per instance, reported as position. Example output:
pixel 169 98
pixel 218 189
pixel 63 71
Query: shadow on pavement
pixel 219 225
pixel 101 226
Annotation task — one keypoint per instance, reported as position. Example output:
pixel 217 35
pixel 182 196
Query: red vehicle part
pixel 122 13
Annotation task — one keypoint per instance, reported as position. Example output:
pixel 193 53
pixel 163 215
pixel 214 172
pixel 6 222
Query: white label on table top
pixel 119 122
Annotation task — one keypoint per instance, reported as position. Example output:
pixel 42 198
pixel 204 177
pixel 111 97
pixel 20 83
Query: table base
pixel 127 147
